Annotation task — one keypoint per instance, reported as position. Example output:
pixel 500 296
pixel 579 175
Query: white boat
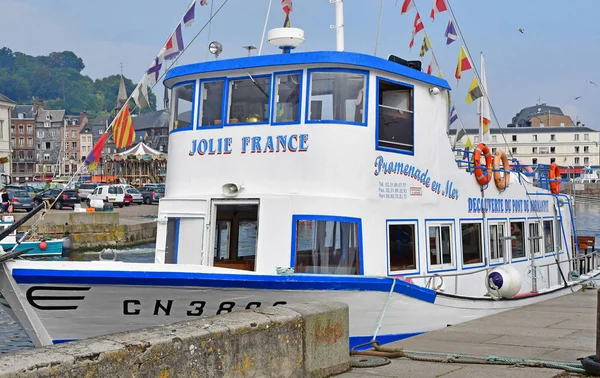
pixel 588 175
pixel 313 176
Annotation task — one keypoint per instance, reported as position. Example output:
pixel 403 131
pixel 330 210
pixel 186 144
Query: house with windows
pixel 48 135
pixel 71 153
pixel 6 106
pixel 22 140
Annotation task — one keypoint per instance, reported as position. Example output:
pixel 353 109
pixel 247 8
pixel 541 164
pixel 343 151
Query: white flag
pixel 140 93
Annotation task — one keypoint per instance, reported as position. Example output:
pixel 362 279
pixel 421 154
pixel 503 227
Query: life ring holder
pixel 482 178
pixel 555 178
pixel 502 181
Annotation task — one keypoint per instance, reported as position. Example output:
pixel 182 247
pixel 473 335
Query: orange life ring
pixel 502 182
pixel 483 178
pixel 554 175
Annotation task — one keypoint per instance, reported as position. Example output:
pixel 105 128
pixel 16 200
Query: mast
pixel 339 24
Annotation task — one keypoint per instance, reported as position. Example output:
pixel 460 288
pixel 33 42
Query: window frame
pixel 553 229
pixel 307 98
pixel 301 99
pixel 417 241
pixel 525 240
pixel 333 218
pixel 227 99
pixel 193 108
pixel 507 253
pixel 529 241
pixel 223 103
pixel 387 149
pixel 441 267
pixel 482 235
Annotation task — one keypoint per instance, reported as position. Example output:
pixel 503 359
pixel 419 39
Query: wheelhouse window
pixel 518 243
pixel 497 245
pixel 395 126
pixel 183 97
pixel 549 236
pixel 249 99
pixel 440 245
pixel 402 244
pixel 471 243
pixel 327 246
pixel 211 104
pixel 337 96
pixel 535 238
pixel 287 98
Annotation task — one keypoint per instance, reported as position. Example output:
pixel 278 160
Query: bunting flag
pixel 484 108
pixel 433 65
pixel 286 5
pixel 468 146
pixel 461 133
pixel 450 33
pixel 474 91
pixel 425 46
pixel 174 45
pixel 453 115
pixel 406 6
pixel 188 17
pixel 286 23
pixel 417 27
pixel 439 6
pixel 91 161
pixel 203 2
pixel 154 72
pixel 123 132
pixel 463 63
pixel 140 93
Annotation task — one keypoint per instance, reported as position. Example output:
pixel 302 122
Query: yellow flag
pixel 474 91
pixel 469 145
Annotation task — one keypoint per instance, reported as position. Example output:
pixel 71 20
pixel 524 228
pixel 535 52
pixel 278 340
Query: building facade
pixel 86 142
pixel 48 129
pixel 541 115
pixel 71 153
pixel 575 146
pixel 6 107
pixel 153 129
pixel 22 141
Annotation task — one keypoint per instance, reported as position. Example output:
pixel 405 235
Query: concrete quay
pixel 304 340
pixel 560 329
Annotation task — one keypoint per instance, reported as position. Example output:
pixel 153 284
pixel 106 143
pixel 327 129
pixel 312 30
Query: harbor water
pixel 12 337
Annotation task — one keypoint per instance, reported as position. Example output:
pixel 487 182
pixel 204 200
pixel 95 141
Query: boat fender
pixel 504 281
pixel 554 175
pixel 43 245
pixel 483 178
pixel 502 181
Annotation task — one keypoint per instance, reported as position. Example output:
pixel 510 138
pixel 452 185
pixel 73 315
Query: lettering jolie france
pixel 507 205
pixel 399 168
pixel 255 144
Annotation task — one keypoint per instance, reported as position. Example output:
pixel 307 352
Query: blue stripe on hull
pixel 218 280
pixel 53 248
pixel 382 339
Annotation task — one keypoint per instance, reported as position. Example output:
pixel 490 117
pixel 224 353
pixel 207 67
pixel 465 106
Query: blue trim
pixel 412 92
pixel 391 222
pixel 193 110
pixel 176 249
pixel 308 282
pixel 300 98
pixel 309 73
pixel 60 341
pixel 297 217
pixel 335 58
pixel 225 121
pixel 443 221
pixel 200 100
pixel 483 251
pixel 382 339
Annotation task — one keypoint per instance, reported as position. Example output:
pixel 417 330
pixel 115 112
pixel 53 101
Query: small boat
pixel 38 246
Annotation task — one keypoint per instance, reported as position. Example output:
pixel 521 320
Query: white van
pixel 108 193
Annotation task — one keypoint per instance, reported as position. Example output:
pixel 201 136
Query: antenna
pixel 121 63
pixel 249 48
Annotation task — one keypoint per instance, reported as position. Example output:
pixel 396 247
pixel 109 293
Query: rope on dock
pixel 415 355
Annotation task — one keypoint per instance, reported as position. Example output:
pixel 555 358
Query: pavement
pixel 560 329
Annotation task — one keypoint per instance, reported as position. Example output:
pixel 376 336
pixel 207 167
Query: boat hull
pixel 53 248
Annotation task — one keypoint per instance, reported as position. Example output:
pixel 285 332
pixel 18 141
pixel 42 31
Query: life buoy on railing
pixel 483 178
pixel 554 178
pixel 501 181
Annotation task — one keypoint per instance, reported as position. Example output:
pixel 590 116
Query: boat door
pixel 234 233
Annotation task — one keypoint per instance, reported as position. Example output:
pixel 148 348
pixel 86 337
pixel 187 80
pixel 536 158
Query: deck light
pixel 434 91
pixel 215 48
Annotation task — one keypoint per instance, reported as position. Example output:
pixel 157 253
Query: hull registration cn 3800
pixel 316 176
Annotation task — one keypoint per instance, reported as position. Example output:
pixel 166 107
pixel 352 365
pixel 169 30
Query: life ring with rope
pixel 483 178
pixel 502 181
pixel 555 178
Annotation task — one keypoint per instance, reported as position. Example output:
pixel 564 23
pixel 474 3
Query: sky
pixel 552 61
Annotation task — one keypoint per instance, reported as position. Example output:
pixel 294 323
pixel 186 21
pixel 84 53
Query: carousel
pixel 140 164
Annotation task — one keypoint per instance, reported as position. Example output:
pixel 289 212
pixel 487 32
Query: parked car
pixel 136 196
pixel 20 199
pixel 68 198
pixel 152 194
pixel 87 188
pixel 114 194
pixel 31 191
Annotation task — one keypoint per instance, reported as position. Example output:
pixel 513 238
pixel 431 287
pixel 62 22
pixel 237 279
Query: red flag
pixel 417 27
pixel 123 132
pixel 94 156
pixel 439 6
pixel 287 6
pixel 463 63
pixel 406 6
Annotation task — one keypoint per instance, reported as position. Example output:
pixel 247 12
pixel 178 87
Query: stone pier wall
pixel 304 340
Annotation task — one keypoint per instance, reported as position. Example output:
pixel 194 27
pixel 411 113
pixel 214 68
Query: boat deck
pixel 560 329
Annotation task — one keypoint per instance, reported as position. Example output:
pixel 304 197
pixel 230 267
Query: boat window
pixel 549 236
pixel 497 243
pixel 337 96
pixel 518 243
pixel 249 100
pixel 535 238
pixel 235 236
pixel 402 239
pixel 183 97
pixel 222 235
pixel 395 126
pixel 327 246
pixel 287 98
pixel 471 243
pixel 440 244
pixel 211 105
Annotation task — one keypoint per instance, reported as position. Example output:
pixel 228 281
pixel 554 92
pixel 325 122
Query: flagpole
pixel 262 39
pixel 209 29
pixel 378 27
